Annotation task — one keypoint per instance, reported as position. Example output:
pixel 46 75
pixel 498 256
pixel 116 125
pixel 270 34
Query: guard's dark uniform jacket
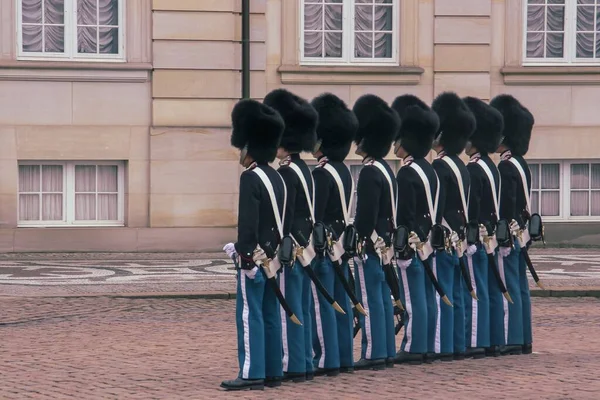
pixel 513 204
pixel 297 213
pixel 413 208
pixel 481 199
pixel 256 222
pixel 374 208
pixel 450 206
pixel 328 208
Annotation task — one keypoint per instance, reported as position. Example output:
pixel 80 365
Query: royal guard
pixel 485 316
pixel 457 124
pixel 416 214
pixel 375 224
pixel 334 192
pixel 515 210
pixel 257 130
pixel 299 135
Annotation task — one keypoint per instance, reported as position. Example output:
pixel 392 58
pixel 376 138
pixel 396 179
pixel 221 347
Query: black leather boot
pixel 528 348
pixel 389 362
pixel 475 353
pixel 295 377
pixel 273 381
pixel 327 371
pixel 459 356
pixel 429 358
pixel 403 357
pixel 446 357
pixel 512 350
pixel 243 384
pixel 347 370
pixel 375 365
pixel 492 351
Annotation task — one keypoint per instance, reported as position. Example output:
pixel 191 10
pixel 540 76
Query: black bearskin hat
pixel 518 123
pixel 419 125
pixel 257 127
pixel 378 124
pixel 300 120
pixel 489 125
pixel 337 126
pixel 457 122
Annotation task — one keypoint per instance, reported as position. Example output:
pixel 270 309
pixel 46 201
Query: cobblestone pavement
pixel 165 348
pixel 38 274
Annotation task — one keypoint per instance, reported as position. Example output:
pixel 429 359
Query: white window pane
pixel 555 18
pixel 580 176
pixel 87 39
pixel 535 175
pixel 580 204
pixel 32 38
pixel 550 176
pixel 85 178
pixel 87 12
pixel 363 45
pixel 535 202
pixel 595 176
pixel 54 12
pixel 333 17
pixel 383 18
pixel 31 11
pixel 29 178
pixel 535 45
pixel 54 38
pixel 313 17
pixel 313 44
pixel 85 207
pixel 363 18
pixel 383 45
pixel 333 44
pixel 555 45
pixel 52 207
pixel 550 203
pixel 109 13
pixel 107 207
pixel 29 207
pixel 595 203
pixel 108 40
pixel 52 178
pixel 107 178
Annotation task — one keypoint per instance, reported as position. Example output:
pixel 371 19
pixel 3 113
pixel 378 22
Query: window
pixel 545 189
pixel 562 31
pixel 585 190
pixel 70 193
pixel 70 29
pixel 349 31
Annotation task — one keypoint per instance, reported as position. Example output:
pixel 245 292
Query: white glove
pixel 337 251
pixel 514 227
pixel 387 256
pixel 404 263
pixel 229 249
pixel 250 274
pixel 483 232
pixel 472 249
pixel 454 238
pixel 379 244
pixel 524 239
pixel 504 251
pixel 413 240
pixel 259 254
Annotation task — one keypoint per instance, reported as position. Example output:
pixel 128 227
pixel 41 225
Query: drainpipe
pixel 245 49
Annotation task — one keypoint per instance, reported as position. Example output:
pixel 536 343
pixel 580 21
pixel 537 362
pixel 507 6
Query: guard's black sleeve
pixel 508 191
pixel 407 199
pixel 444 179
pixel 322 180
pixel 248 218
pixel 475 192
pixel 291 185
pixel 368 193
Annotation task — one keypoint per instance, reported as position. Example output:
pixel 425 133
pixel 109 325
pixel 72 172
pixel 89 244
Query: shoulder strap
pixel 393 193
pixel 523 181
pixel 461 186
pixel 490 176
pixel 431 204
pixel 309 199
pixel 338 180
pixel 279 218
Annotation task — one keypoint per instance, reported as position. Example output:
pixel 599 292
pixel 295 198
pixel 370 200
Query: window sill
pixel 551 75
pixel 51 226
pixel 342 75
pixel 67 71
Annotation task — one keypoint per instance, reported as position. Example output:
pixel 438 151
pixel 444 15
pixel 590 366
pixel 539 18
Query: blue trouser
pixel 258 328
pixel 459 307
pixel 291 283
pixel 371 293
pixel 477 317
pixel 443 268
pixel 345 322
pixel 325 335
pixel 526 300
pixel 307 321
pixel 432 308
pixel 412 292
pixel 509 270
pixel 388 311
pixel 498 306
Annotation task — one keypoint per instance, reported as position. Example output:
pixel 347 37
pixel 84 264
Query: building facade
pixel 115 114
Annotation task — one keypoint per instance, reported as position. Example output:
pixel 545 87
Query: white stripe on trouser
pixel 363 292
pixel 246 324
pixel 319 325
pixel 438 321
pixel 474 309
pixel 409 310
pixel 284 337
pixel 504 301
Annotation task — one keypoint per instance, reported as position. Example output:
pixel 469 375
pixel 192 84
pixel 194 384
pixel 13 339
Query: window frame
pixel 69 196
pixel 348 19
pixel 70 24
pixel 570 38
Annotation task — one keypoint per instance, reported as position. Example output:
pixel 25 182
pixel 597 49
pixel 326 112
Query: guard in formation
pixel 443 247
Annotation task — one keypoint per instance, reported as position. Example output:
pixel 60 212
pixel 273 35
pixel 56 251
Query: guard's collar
pixel 506 155
pixel 252 166
pixel 406 161
pixel 367 160
pixel 441 154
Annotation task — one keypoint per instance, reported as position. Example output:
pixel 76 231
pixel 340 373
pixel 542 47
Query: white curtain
pixel 586 26
pixel 371 24
pixel 51 192
pixel 29 181
pixel 43 26
pixel 85 192
pixel 580 199
pixel 325 22
pixel 545 30
pixel 96 193
pixel 108 198
pixel 98 30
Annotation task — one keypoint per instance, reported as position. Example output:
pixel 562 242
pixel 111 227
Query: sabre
pixel 496 271
pixel 467 276
pixel 436 284
pixel 531 268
